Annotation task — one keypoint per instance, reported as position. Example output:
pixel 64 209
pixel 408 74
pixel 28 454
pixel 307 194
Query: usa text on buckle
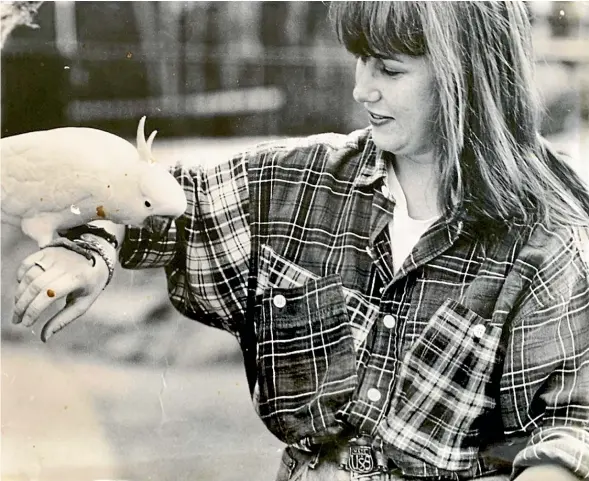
pixel 364 457
pixel 361 460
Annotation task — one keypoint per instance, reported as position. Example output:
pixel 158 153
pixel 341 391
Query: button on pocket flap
pixel 320 299
pixel 277 272
pixel 456 334
pixel 457 350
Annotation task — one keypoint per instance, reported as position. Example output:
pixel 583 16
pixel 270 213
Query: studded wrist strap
pixel 94 246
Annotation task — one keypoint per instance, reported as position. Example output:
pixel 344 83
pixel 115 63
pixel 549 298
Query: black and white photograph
pixel 294 240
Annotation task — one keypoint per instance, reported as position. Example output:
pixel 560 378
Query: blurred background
pixel 133 391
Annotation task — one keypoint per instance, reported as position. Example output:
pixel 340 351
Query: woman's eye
pixel 388 71
pixel 391 73
pixel 379 65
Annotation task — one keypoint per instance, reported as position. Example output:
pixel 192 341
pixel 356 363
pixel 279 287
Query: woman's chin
pixel 384 142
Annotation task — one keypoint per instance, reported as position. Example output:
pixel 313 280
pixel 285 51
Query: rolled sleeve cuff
pixel 564 446
pixel 140 250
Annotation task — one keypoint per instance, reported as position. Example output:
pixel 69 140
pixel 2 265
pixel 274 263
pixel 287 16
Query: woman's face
pixel 398 94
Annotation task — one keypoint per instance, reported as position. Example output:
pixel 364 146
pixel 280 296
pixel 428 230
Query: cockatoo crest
pixel 144 146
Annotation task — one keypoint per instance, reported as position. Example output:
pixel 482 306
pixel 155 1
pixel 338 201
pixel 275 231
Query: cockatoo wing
pixel 51 171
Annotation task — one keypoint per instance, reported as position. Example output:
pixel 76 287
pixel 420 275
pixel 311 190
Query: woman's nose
pixel 365 89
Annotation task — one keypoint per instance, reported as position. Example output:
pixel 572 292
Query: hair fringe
pixel 494 166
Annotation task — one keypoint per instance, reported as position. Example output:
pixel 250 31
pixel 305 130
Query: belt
pixel 361 454
pixel 365 454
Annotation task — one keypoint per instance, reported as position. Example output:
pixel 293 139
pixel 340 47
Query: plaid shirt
pixel 470 342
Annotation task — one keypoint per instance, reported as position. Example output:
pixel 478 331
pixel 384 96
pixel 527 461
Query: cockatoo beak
pixel 156 224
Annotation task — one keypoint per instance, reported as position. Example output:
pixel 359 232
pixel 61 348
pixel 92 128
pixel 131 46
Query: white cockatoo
pixel 53 180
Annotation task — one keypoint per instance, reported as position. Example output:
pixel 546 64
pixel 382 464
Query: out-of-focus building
pixel 200 68
pixel 220 68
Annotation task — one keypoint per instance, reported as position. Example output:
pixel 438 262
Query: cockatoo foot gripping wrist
pixel 86 247
pixel 96 247
pixel 76 233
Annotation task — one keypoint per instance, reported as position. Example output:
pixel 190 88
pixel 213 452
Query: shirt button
pixel 478 331
pixel 373 394
pixel 279 301
pixel 389 321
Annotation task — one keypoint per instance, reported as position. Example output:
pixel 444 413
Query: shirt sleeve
pixel 546 373
pixel 206 251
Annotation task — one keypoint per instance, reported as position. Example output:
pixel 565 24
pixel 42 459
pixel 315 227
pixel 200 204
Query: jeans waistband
pixel 299 465
pixel 366 454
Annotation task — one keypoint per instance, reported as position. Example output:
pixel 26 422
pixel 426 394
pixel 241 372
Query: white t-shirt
pixel 404 230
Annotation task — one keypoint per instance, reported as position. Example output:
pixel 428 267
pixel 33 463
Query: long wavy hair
pixel 494 166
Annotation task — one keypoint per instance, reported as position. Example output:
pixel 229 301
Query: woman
pixel 412 298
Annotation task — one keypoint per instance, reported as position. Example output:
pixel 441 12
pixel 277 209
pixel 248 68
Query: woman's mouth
pixel 377 120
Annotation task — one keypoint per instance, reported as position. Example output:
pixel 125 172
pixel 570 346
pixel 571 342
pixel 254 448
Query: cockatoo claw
pixel 72 246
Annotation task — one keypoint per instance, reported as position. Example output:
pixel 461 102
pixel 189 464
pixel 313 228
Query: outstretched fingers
pixel 34 282
pixel 31 261
pixel 75 307
pixel 52 275
pixel 42 294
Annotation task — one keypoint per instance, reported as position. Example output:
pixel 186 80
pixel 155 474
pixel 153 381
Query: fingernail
pixel 26 321
pixel 15 319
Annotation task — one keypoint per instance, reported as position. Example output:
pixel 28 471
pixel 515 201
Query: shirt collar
pixel 374 167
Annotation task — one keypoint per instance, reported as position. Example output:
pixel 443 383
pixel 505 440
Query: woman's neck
pixel 419 180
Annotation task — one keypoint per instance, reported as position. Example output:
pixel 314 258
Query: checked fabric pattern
pixel 442 387
pixel 474 338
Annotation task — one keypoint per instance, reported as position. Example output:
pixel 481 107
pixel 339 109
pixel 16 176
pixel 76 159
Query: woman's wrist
pixel 103 238
pixel 92 247
pixel 100 247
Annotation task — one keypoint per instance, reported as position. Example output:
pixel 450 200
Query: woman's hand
pixel 52 274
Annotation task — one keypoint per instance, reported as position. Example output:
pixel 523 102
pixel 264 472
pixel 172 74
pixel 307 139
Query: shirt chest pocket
pixel 444 388
pixel 306 358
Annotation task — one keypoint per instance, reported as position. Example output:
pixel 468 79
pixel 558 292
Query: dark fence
pixel 196 68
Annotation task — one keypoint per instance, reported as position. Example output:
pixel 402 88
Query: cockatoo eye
pixel 147 203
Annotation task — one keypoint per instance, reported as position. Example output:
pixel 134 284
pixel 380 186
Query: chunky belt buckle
pixel 361 460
